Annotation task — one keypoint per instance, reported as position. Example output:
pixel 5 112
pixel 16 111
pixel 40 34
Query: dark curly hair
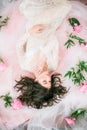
pixel 34 95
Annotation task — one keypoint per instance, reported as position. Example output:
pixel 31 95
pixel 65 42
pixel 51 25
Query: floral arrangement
pixel 77 28
pixel 16 104
pixel 3 22
pixel 77 74
pixel 75 24
pixel 70 42
pixel 75 115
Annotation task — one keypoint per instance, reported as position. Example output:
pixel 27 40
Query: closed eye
pixel 44 81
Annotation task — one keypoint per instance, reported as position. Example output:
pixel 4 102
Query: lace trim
pixel 44 2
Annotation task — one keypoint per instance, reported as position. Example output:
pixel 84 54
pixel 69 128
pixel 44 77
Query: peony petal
pixel 3 66
pixel 17 104
pixel 77 28
pixel 83 88
pixel 70 121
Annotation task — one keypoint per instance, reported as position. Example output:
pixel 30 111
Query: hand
pixel 37 28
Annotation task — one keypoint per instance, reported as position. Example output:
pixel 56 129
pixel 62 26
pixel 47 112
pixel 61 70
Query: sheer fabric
pixel 50 118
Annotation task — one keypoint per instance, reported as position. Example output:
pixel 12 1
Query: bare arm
pixel 21 49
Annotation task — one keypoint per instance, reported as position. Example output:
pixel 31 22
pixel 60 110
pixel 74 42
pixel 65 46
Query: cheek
pixel 48 78
pixel 40 80
pixel 44 78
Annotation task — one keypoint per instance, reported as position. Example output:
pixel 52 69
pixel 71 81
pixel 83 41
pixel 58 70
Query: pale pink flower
pixel 16 104
pixel 83 88
pixel 77 28
pixel 2 66
pixel 70 121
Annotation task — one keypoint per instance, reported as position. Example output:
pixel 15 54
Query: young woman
pixel 44 89
pixel 74 30
pixel 38 52
pixel 48 117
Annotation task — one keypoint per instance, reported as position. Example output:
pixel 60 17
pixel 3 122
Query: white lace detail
pixel 44 2
pixel 33 8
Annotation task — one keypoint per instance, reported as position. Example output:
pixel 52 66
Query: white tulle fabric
pixel 43 2
pixel 38 45
pixel 36 7
pixel 51 17
pixel 50 118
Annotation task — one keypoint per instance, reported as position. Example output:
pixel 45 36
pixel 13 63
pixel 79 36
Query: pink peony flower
pixel 2 66
pixel 70 121
pixel 16 104
pixel 77 28
pixel 83 88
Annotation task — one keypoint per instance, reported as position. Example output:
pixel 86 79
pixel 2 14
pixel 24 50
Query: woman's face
pixel 45 79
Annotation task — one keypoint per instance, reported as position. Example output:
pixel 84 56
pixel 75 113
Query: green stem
pixel 80 40
pixel 1 60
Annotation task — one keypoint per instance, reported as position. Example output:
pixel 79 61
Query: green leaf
pixel 85 68
pixel 2 96
pixel 69 43
pixel 73 21
pixel 68 74
pixel 6 105
pixel 80 40
pixel 7 99
pixel 1 60
pixel 79 113
pixel 76 74
pixel 82 65
pixel 4 22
